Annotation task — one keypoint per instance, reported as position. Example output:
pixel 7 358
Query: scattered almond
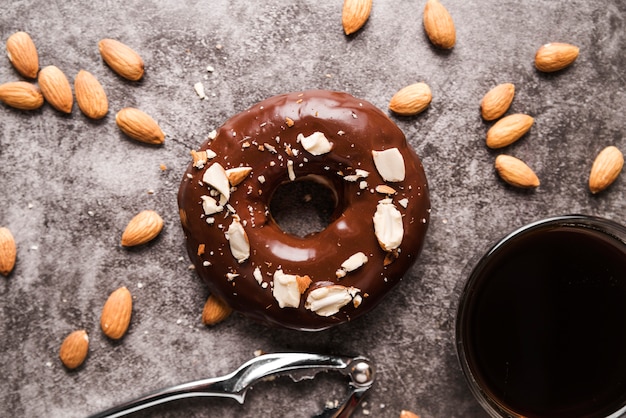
pixel 90 96
pixel 56 89
pixel 8 251
pixel 74 349
pixel 606 168
pixel 515 172
pixel 215 311
pixel 508 130
pixel 555 56
pixel 408 414
pixel 21 95
pixel 497 101
pixel 116 313
pixel 142 228
pixel 411 100
pixel 354 14
pixel 439 25
pixel 23 55
pixel 122 59
pixel 139 126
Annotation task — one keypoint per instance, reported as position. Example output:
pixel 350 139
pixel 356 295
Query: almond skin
pixel 116 314
pixel 122 59
pixel 508 130
pixel 139 126
pixel 144 227
pixel 411 100
pixel 8 251
pixel 21 95
pixel 215 311
pixel 354 15
pixel 555 56
pixel 74 349
pixel 515 172
pixel 56 89
pixel 439 25
pixel 90 95
pixel 497 101
pixel 606 168
pixel 23 55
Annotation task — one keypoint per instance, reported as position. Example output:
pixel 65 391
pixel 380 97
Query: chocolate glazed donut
pixel 375 234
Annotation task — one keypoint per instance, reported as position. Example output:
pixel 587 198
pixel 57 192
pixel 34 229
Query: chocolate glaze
pixel 355 127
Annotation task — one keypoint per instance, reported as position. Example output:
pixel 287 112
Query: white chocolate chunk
pixel 316 143
pixel 210 205
pixel 215 176
pixel 286 290
pixel 388 225
pixel 390 164
pixel 328 300
pixel 238 241
pixel 290 172
pixel 257 275
pixel 237 174
pixel 354 262
pixel 358 174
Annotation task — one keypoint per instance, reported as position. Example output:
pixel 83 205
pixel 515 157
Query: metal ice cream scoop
pixel 298 366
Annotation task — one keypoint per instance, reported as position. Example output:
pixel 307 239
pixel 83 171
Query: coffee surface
pixel 547 332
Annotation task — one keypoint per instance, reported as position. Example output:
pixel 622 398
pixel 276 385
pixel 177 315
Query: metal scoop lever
pixel 298 366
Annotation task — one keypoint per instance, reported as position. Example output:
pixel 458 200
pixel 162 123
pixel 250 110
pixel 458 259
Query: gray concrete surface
pixel 68 186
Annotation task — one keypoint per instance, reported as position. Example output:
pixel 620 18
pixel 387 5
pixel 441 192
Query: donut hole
pixel 305 206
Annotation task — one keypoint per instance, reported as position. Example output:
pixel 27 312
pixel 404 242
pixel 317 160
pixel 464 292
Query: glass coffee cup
pixel 541 321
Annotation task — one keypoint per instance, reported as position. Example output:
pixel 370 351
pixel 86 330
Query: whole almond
pixel 56 88
pixel 116 313
pixel 354 14
pixel 515 172
pixel 497 101
pixel 142 228
pixel 605 169
pixel 439 25
pixel 21 95
pixel 139 126
pixel 74 349
pixel 8 251
pixel 215 311
pixel 122 59
pixel 555 56
pixel 23 55
pixel 90 96
pixel 411 100
pixel 508 130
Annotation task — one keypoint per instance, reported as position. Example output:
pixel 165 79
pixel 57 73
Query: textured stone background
pixel 68 186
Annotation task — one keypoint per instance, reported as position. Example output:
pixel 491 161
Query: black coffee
pixel 545 325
